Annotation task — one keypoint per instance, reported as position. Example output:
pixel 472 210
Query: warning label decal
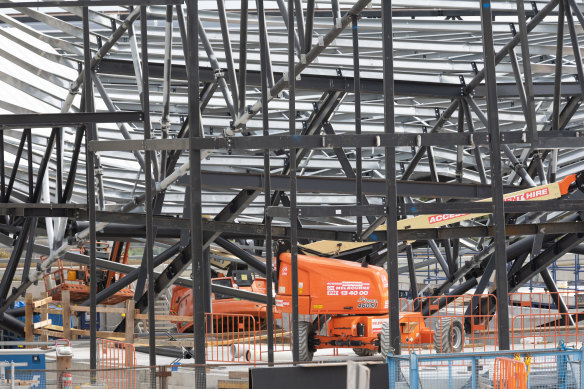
pixel 347 288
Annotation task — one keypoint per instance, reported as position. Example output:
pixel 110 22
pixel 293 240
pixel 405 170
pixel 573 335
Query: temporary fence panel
pixel 509 374
pixel 232 338
pixel 551 369
pixel 537 320
pixel 115 361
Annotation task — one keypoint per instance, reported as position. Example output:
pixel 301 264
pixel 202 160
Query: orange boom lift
pixel 355 297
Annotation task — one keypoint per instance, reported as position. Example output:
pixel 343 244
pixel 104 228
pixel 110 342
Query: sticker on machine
pixel 376 325
pixel 282 303
pixel 347 288
pixel 528 195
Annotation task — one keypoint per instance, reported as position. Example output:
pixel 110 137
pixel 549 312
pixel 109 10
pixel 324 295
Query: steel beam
pixel 91 132
pixel 267 183
pixel 293 189
pixel 498 210
pixel 195 134
pixel 390 178
pixel 66 119
pixel 344 83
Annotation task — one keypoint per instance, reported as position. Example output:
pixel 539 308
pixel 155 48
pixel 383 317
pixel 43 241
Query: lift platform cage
pixel 65 275
pixel 530 369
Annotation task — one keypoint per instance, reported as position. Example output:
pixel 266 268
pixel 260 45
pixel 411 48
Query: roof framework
pixel 446 97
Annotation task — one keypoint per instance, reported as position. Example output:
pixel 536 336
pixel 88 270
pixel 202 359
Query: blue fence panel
pixel 554 369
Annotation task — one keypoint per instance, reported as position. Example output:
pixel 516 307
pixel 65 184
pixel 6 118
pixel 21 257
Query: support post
pixel 130 313
pixel 44 316
pixel 293 208
pixel 195 133
pixel 149 192
pixel 413 371
pixel 357 91
pixel 390 178
pixel 66 311
pixel 267 185
pixel 90 160
pixel 496 178
pixel 28 319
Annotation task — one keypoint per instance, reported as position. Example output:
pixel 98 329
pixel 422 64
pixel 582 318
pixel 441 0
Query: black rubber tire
pixel 305 333
pixel 384 346
pixel 448 336
pixel 364 352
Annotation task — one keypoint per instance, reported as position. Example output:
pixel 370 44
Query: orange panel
pixel 334 286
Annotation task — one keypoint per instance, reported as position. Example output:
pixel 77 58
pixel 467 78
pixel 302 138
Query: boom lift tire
pixel 448 336
pixel 384 345
pixel 364 352
pixel 305 348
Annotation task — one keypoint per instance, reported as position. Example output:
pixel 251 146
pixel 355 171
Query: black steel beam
pixel 195 135
pixel 543 260
pixel 277 142
pixel 431 208
pixel 90 184
pixel 67 119
pixel 312 184
pixel 170 227
pixel 346 84
pixel 497 204
pixel 242 254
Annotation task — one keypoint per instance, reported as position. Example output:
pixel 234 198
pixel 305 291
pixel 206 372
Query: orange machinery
pixel 182 301
pixel 355 295
pixel 355 298
pixel 75 279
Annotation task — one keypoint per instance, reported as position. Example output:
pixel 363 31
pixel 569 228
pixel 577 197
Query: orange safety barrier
pixel 537 322
pixel 546 302
pixel 115 362
pixel 232 338
pixel 544 330
pixel 509 374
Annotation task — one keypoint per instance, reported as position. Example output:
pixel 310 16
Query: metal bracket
pixel 512 28
pixel 437 113
pixel 475 69
pixel 462 84
pixel 219 74
pixel 339 72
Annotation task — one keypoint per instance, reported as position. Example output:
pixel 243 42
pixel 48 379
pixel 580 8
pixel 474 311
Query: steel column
pixel 390 178
pixel 196 199
pixel 293 208
pixel 243 54
pixel 228 54
pixel 267 184
pixel 90 131
pixel 496 177
pixel 527 75
pixel 149 257
pixel 357 86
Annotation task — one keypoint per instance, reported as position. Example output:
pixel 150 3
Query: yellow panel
pixel 543 192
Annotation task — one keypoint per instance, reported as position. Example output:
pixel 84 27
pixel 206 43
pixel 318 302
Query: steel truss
pixel 461 103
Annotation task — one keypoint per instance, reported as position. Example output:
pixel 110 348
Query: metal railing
pixel 545 368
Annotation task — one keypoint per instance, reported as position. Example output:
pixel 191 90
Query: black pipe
pixel 167 352
pixel 20 311
pixel 12 324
